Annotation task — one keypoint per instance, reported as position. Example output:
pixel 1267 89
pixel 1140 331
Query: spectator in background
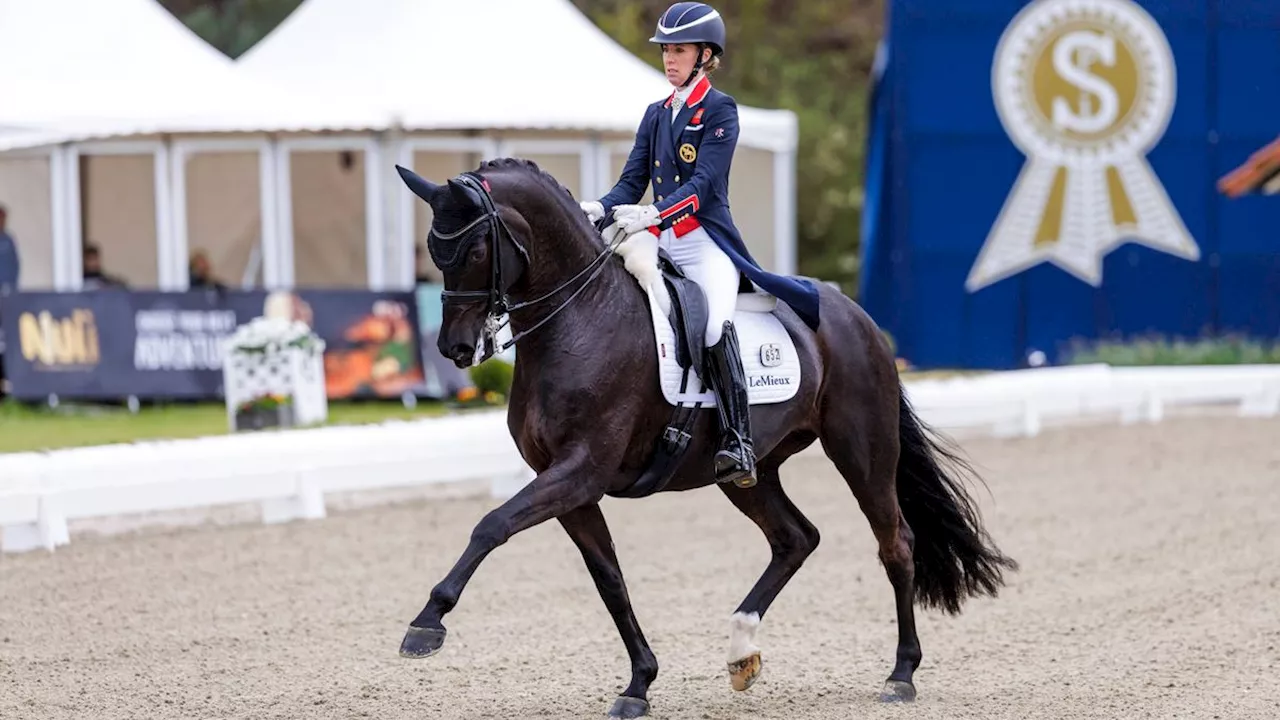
pixel 9 266
pixel 8 278
pixel 200 273
pixel 94 277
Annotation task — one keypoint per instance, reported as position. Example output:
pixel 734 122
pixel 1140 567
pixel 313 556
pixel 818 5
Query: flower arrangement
pixel 265 335
pixel 262 371
pixel 265 411
pixel 268 402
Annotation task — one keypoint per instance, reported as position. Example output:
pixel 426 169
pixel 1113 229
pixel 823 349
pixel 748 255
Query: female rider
pixel 684 148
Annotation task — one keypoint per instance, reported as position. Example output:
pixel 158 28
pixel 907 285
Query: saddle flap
pixel 688 313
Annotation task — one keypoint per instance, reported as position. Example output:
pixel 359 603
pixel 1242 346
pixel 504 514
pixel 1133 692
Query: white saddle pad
pixel 768 356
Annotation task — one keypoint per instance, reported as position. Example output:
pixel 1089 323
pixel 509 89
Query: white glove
pixel 593 209
pixel 634 218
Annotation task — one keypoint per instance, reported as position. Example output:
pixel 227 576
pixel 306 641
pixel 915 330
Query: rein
pixel 498 304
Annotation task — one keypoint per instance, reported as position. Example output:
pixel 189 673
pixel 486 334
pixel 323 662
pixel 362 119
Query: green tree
pixel 232 26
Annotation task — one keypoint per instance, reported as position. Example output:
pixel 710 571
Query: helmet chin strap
pixel 696 67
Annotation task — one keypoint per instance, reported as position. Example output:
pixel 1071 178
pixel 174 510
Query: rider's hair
pixel 711 65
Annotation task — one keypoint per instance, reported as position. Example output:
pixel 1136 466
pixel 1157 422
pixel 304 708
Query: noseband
pixel 495 296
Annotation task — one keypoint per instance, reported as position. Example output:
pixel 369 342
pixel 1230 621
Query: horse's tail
pixel 955 558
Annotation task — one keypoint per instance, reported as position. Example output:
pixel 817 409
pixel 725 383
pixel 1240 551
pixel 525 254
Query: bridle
pixel 495 296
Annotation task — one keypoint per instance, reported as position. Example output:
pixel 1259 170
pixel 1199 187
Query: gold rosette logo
pixel 1085 89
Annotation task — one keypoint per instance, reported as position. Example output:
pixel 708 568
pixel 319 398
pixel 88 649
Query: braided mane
pixel 529 166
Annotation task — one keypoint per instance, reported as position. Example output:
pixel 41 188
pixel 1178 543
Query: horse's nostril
pixel 462 355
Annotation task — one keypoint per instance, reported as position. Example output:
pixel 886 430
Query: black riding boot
pixel 736 459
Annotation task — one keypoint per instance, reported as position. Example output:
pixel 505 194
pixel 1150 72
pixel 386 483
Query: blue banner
pixel 1047 172
pixel 112 344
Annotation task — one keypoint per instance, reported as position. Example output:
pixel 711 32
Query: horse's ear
pixel 420 186
pixel 464 195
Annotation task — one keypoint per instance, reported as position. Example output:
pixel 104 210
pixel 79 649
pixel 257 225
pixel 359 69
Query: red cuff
pixel 689 204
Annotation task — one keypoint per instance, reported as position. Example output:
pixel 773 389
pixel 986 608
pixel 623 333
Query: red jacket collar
pixel 700 90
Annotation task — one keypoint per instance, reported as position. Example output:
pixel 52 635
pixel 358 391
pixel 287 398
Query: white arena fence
pixel 289 473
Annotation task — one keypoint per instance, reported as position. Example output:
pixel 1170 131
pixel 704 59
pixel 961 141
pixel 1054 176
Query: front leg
pixel 561 489
pixel 587 527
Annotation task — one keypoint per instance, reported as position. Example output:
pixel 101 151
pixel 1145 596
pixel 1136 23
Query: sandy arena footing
pixel 1150 588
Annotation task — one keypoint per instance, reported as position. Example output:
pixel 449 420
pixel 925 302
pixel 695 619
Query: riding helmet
pixel 691 22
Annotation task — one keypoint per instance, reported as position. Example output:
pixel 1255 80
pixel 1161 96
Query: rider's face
pixel 678 60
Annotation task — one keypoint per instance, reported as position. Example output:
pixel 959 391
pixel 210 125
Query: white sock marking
pixel 742 637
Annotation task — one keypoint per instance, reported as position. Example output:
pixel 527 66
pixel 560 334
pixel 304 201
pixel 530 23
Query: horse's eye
pixel 477 253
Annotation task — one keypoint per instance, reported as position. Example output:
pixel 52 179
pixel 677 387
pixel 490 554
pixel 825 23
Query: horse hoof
pixel 898 691
pixel 743 673
pixel 421 642
pixel 629 707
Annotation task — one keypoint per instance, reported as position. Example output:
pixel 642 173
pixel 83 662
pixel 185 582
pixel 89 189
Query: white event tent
pixel 283 160
pixel 110 106
pixel 460 81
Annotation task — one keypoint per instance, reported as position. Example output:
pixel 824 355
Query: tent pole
pixel 404 264
pixel 784 212
pixel 390 145
pixel 587 168
pixel 179 232
pixel 58 214
pixel 269 191
pixel 75 221
pixel 284 210
pixel 169 256
pixel 604 171
pixel 374 217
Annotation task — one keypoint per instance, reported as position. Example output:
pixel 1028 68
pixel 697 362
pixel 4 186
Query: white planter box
pixel 293 373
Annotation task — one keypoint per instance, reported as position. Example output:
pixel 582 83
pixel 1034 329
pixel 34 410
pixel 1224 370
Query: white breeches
pixel 706 264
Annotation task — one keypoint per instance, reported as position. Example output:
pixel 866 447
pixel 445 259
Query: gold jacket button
pixel 658 180
pixel 657 163
pixel 659 198
pixel 677 178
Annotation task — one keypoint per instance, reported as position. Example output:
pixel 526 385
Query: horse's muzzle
pixel 462 355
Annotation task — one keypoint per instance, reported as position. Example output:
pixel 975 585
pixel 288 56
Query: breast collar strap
pixel 496 294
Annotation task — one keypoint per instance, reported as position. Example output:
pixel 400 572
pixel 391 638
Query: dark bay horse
pixel 586 409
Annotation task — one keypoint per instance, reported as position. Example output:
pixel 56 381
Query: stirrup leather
pixel 735 461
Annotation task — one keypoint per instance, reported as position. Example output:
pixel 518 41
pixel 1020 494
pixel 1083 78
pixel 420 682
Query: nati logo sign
pixel 1085 89
pixel 67 343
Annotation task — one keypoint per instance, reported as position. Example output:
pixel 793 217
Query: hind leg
pixel 792 538
pixel 870 473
